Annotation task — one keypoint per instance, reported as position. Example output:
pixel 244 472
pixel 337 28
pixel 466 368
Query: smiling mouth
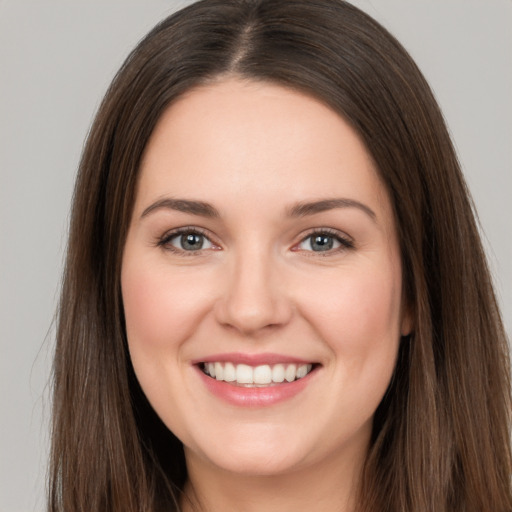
pixel 255 376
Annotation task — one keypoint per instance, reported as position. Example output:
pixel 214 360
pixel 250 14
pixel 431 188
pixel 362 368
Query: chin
pixel 254 456
pixel 255 464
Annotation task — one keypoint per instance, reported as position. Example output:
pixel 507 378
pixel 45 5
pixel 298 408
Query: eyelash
pixel 345 242
pixel 165 240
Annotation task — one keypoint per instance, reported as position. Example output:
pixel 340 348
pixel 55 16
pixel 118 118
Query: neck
pixel 331 488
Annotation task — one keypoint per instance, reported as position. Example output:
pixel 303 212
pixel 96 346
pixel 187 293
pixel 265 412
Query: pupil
pixel 322 243
pixel 192 241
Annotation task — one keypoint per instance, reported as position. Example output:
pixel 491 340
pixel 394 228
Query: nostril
pixel 251 318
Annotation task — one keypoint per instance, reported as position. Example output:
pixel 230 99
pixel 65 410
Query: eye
pixel 324 241
pixel 186 240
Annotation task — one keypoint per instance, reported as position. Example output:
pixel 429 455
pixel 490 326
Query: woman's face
pixel 261 280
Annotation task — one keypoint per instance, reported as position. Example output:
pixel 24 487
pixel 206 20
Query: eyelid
pixel 163 241
pixel 345 240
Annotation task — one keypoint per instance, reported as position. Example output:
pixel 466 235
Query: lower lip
pixel 258 396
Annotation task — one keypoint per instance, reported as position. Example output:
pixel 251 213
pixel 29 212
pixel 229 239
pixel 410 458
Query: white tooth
pixel 244 374
pixel 278 373
pixel 262 374
pixel 310 367
pixel 210 368
pixel 302 371
pixel 229 372
pixel 290 372
pixel 219 371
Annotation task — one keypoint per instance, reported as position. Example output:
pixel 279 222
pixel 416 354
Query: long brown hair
pixel 441 435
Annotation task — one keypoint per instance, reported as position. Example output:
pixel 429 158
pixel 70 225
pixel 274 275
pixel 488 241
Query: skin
pixel 253 151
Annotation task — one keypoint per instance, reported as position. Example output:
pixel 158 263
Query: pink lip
pixel 254 397
pixel 251 359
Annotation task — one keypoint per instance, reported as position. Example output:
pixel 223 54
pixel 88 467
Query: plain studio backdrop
pixel 57 58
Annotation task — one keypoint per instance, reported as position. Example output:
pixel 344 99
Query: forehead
pixel 234 137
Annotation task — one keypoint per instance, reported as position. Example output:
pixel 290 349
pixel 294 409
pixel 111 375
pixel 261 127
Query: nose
pixel 254 296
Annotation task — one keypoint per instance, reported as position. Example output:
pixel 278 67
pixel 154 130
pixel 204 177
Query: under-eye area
pixel 261 375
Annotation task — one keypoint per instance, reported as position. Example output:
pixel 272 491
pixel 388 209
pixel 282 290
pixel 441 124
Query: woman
pixel 272 244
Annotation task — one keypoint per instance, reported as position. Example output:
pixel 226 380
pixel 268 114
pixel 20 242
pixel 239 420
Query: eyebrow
pixel 301 209
pixel 313 207
pixel 183 205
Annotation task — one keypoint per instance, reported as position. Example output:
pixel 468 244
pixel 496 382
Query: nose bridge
pixel 254 297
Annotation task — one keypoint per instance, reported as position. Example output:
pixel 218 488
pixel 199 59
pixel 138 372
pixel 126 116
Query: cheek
pixel 145 303
pixel 358 316
pixel 161 308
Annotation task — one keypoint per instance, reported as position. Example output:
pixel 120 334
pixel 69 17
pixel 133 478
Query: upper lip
pixel 252 359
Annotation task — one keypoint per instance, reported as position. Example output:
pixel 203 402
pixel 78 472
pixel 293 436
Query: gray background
pixel 56 60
